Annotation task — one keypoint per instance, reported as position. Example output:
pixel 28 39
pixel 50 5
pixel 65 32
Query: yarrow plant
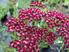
pixel 31 35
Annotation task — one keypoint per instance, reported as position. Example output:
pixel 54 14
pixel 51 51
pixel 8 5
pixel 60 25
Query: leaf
pixel 3 11
pixel 15 12
pixel 66 2
pixel 59 40
pixel 54 29
pixel 14 36
pixel 3 28
pixel 24 3
pixel 43 45
pixel 8 49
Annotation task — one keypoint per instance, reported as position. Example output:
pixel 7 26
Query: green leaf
pixel 8 49
pixel 59 40
pixel 54 29
pixel 24 3
pixel 14 36
pixel 66 2
pixel 3 11
pixel 43 44
pixel 15 13
pixel 3 28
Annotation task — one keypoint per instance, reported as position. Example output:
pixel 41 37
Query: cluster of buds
pixel 32 30
pixel 30 36
pixel 31 14
pixel 55 19
pixel 39 4
pixel 50 38
pixel 64 31
pixel 25 45
pixel 56 14
pixel 14 24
